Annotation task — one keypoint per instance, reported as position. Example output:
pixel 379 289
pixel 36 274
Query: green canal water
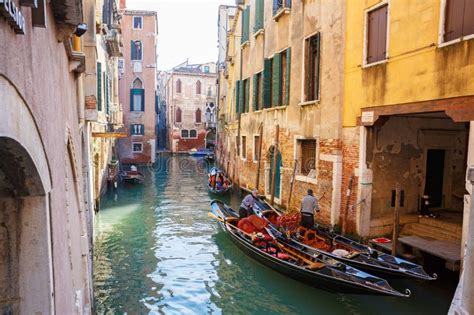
pixel 156 251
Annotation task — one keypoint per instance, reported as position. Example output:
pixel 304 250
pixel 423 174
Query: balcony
pixel 113 42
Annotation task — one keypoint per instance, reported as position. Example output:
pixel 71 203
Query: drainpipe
pixel 239 114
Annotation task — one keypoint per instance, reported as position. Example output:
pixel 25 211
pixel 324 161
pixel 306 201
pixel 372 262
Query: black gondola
pixel 319 271
pixel 360 256
pixel 132 175
pixel 214 188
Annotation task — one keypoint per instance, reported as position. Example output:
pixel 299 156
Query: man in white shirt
pixel 309 205
pixel 246 207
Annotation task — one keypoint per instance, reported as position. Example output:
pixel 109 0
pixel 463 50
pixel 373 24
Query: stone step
pixel 448 226
pixel 430 231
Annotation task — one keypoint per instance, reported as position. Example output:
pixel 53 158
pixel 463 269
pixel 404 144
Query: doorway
pixel 434 176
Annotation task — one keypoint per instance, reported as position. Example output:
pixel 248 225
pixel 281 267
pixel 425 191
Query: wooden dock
pixel 413 246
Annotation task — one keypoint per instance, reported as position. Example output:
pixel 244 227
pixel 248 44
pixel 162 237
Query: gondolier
pixel 246 207
pixel 309 204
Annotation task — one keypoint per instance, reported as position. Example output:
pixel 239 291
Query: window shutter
pixel 142 92
pixel 132 50
pixel 107 99
pixel 454 19
pixel 255 93
pixel 267 83
pixel 241 97
pixel 258 15
pixel 245 24
pixel 372 38
pixel 382 40
pixel 276 80
pixel 317 67
pixel 468 26
pixel 377 35
pixel 237 96
pixel 99 86
pixel 132 92
pixel 288 76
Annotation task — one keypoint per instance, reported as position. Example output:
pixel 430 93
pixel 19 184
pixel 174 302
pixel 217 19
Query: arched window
pixel 178 115
pixel 137 83
pixel 178 86
pixel 198 87
pixel 198 116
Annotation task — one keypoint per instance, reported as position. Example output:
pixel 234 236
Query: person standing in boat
pixel 309 205
pixel 246 207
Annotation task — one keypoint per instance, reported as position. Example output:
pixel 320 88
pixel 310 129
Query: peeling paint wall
pixel 397 153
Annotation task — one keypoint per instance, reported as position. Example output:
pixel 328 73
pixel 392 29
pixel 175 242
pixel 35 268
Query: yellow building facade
pixel 407 114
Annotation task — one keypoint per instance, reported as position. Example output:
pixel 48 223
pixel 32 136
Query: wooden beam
pixel 117 134
pixel 459 109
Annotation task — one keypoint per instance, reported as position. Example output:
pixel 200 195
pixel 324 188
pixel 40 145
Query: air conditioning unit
pixel 239 2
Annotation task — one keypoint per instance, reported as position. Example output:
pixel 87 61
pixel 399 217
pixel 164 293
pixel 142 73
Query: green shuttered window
pixel 99 86
pixel 259 11
pixel 245 24
pixel 255 92
pixel 276 80
pixel 107 94
pixel 241 96
pixel 237 96
pixel 267 83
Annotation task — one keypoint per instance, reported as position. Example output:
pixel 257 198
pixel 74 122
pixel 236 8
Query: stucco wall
pixel 52 100
pixel 189 101
pixel 148 76
pixel 417 68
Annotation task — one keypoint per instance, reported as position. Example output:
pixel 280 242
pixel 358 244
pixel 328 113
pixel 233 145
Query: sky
pixel 186 29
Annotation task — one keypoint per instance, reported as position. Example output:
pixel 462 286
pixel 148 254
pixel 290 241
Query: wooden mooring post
pixel 274 163
pixel 292 182
pixel 260 140
pixel 348 203
pixel 396 221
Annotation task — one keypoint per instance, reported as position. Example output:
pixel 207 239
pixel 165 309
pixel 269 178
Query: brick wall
pixel 350 161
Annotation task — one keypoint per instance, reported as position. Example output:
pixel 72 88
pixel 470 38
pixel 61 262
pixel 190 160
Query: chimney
pixel 123 4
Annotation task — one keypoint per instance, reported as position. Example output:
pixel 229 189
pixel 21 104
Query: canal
pixel 156 251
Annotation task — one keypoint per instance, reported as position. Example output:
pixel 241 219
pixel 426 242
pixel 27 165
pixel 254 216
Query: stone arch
pixel 137 83
pixel 25 234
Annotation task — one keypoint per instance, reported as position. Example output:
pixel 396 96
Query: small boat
pixel 212 185
pixel 200 152
pixel 319 271
pixel 133 175
pixel 350 252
